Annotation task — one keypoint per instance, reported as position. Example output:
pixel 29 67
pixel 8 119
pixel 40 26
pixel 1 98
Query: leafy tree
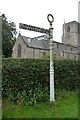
pixel 8 36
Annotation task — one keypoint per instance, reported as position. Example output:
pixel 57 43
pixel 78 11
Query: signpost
pixel 51 19
pixel 33 28
pixel 50 33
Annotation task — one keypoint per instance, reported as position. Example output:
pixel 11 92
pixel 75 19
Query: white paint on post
pixel 51 19
pixel 51 67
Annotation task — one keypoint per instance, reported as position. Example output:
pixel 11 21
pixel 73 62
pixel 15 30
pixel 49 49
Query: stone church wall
pixel 65 51
pixel 15 48
pixel 26 51
pixel 69 48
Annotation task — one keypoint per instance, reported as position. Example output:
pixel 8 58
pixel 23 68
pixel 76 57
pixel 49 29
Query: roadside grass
pixel 65 106
pixel 0 108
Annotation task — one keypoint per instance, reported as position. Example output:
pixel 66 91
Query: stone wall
pixel 19 41
pixel 65 51
pixel 26 51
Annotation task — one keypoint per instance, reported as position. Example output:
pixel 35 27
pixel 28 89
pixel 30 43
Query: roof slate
pixel 42 44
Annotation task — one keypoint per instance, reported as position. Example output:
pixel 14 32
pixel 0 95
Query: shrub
pixel 66 74
pixel 27 75
pixel 28 79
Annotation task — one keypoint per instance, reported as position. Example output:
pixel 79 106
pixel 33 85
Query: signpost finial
pixel 50 19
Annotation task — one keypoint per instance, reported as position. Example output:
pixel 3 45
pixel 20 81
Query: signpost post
pixel 50 33
pixel 51 19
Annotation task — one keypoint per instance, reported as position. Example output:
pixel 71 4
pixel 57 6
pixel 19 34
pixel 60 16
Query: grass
pixel 0 108
pixel 65 106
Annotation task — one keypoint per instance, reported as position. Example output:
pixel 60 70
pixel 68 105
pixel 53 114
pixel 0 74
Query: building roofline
pixel 38 36
pixel 53 41
pixel 72 22
pixel 65 44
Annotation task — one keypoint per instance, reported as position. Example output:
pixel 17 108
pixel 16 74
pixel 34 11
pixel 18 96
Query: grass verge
pixel 65 106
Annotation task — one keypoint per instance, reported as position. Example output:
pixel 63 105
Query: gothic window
pixel 63 54
pixel 71 49
pixel 68 29
pixel 68 56
pixel 33 53
pixel 44 53
pixel 75 57
pixel 19 50
pixel 78 28
pixel 57 46
pixel 55 55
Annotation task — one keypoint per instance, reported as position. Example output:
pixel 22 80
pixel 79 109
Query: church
pixel 37 47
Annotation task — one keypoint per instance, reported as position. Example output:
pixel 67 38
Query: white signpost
pixel 51 19
pixel 50 33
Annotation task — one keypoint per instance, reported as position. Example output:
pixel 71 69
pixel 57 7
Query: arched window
pixel 75 57
pixel 71 49
pixel 19 50
pixel 68 29
pixel 68 56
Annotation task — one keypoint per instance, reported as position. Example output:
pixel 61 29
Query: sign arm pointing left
pixel 33 28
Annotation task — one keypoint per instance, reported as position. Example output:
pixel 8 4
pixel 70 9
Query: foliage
pixel 25 75
pixel 28 79
pixel 47 57
pixel 8 36
pixel 63 107
pixel 67 74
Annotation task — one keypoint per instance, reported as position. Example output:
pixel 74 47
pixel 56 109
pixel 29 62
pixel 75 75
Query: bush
pixel 27 75
pixel 28 79
pixel 66 74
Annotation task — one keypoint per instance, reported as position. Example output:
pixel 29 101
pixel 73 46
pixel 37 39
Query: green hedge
pixel 29 79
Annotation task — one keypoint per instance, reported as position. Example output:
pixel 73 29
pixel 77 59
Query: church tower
pixel 71 33
pixel 79 11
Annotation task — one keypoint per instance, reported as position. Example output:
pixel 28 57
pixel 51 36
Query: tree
pixel 8 36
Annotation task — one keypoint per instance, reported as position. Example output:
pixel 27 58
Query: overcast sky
pixel 34 12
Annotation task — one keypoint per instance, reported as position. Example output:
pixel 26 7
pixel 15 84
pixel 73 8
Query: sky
pixel 34 12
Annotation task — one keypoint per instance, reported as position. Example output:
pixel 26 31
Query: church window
pixel 68 29
pixel 44 53
pixel 68 56
pixel 75 57
pixel 63 54
pixel 33 53
pixel 78 28
pixel 54 55
pixel 57 45
pixel 71 49
pixel 19 50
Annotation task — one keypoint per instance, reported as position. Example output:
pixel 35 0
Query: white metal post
pixel 52 97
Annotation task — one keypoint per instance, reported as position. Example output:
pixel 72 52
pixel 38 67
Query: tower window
pixel 68 29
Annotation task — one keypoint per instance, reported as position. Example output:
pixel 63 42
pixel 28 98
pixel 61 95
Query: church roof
pixel 38 44
pixel 72 22
pixel 35 43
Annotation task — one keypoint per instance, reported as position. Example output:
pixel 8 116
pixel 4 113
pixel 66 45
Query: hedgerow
pixel 28 79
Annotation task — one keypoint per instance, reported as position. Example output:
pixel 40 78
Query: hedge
pixel 29 78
